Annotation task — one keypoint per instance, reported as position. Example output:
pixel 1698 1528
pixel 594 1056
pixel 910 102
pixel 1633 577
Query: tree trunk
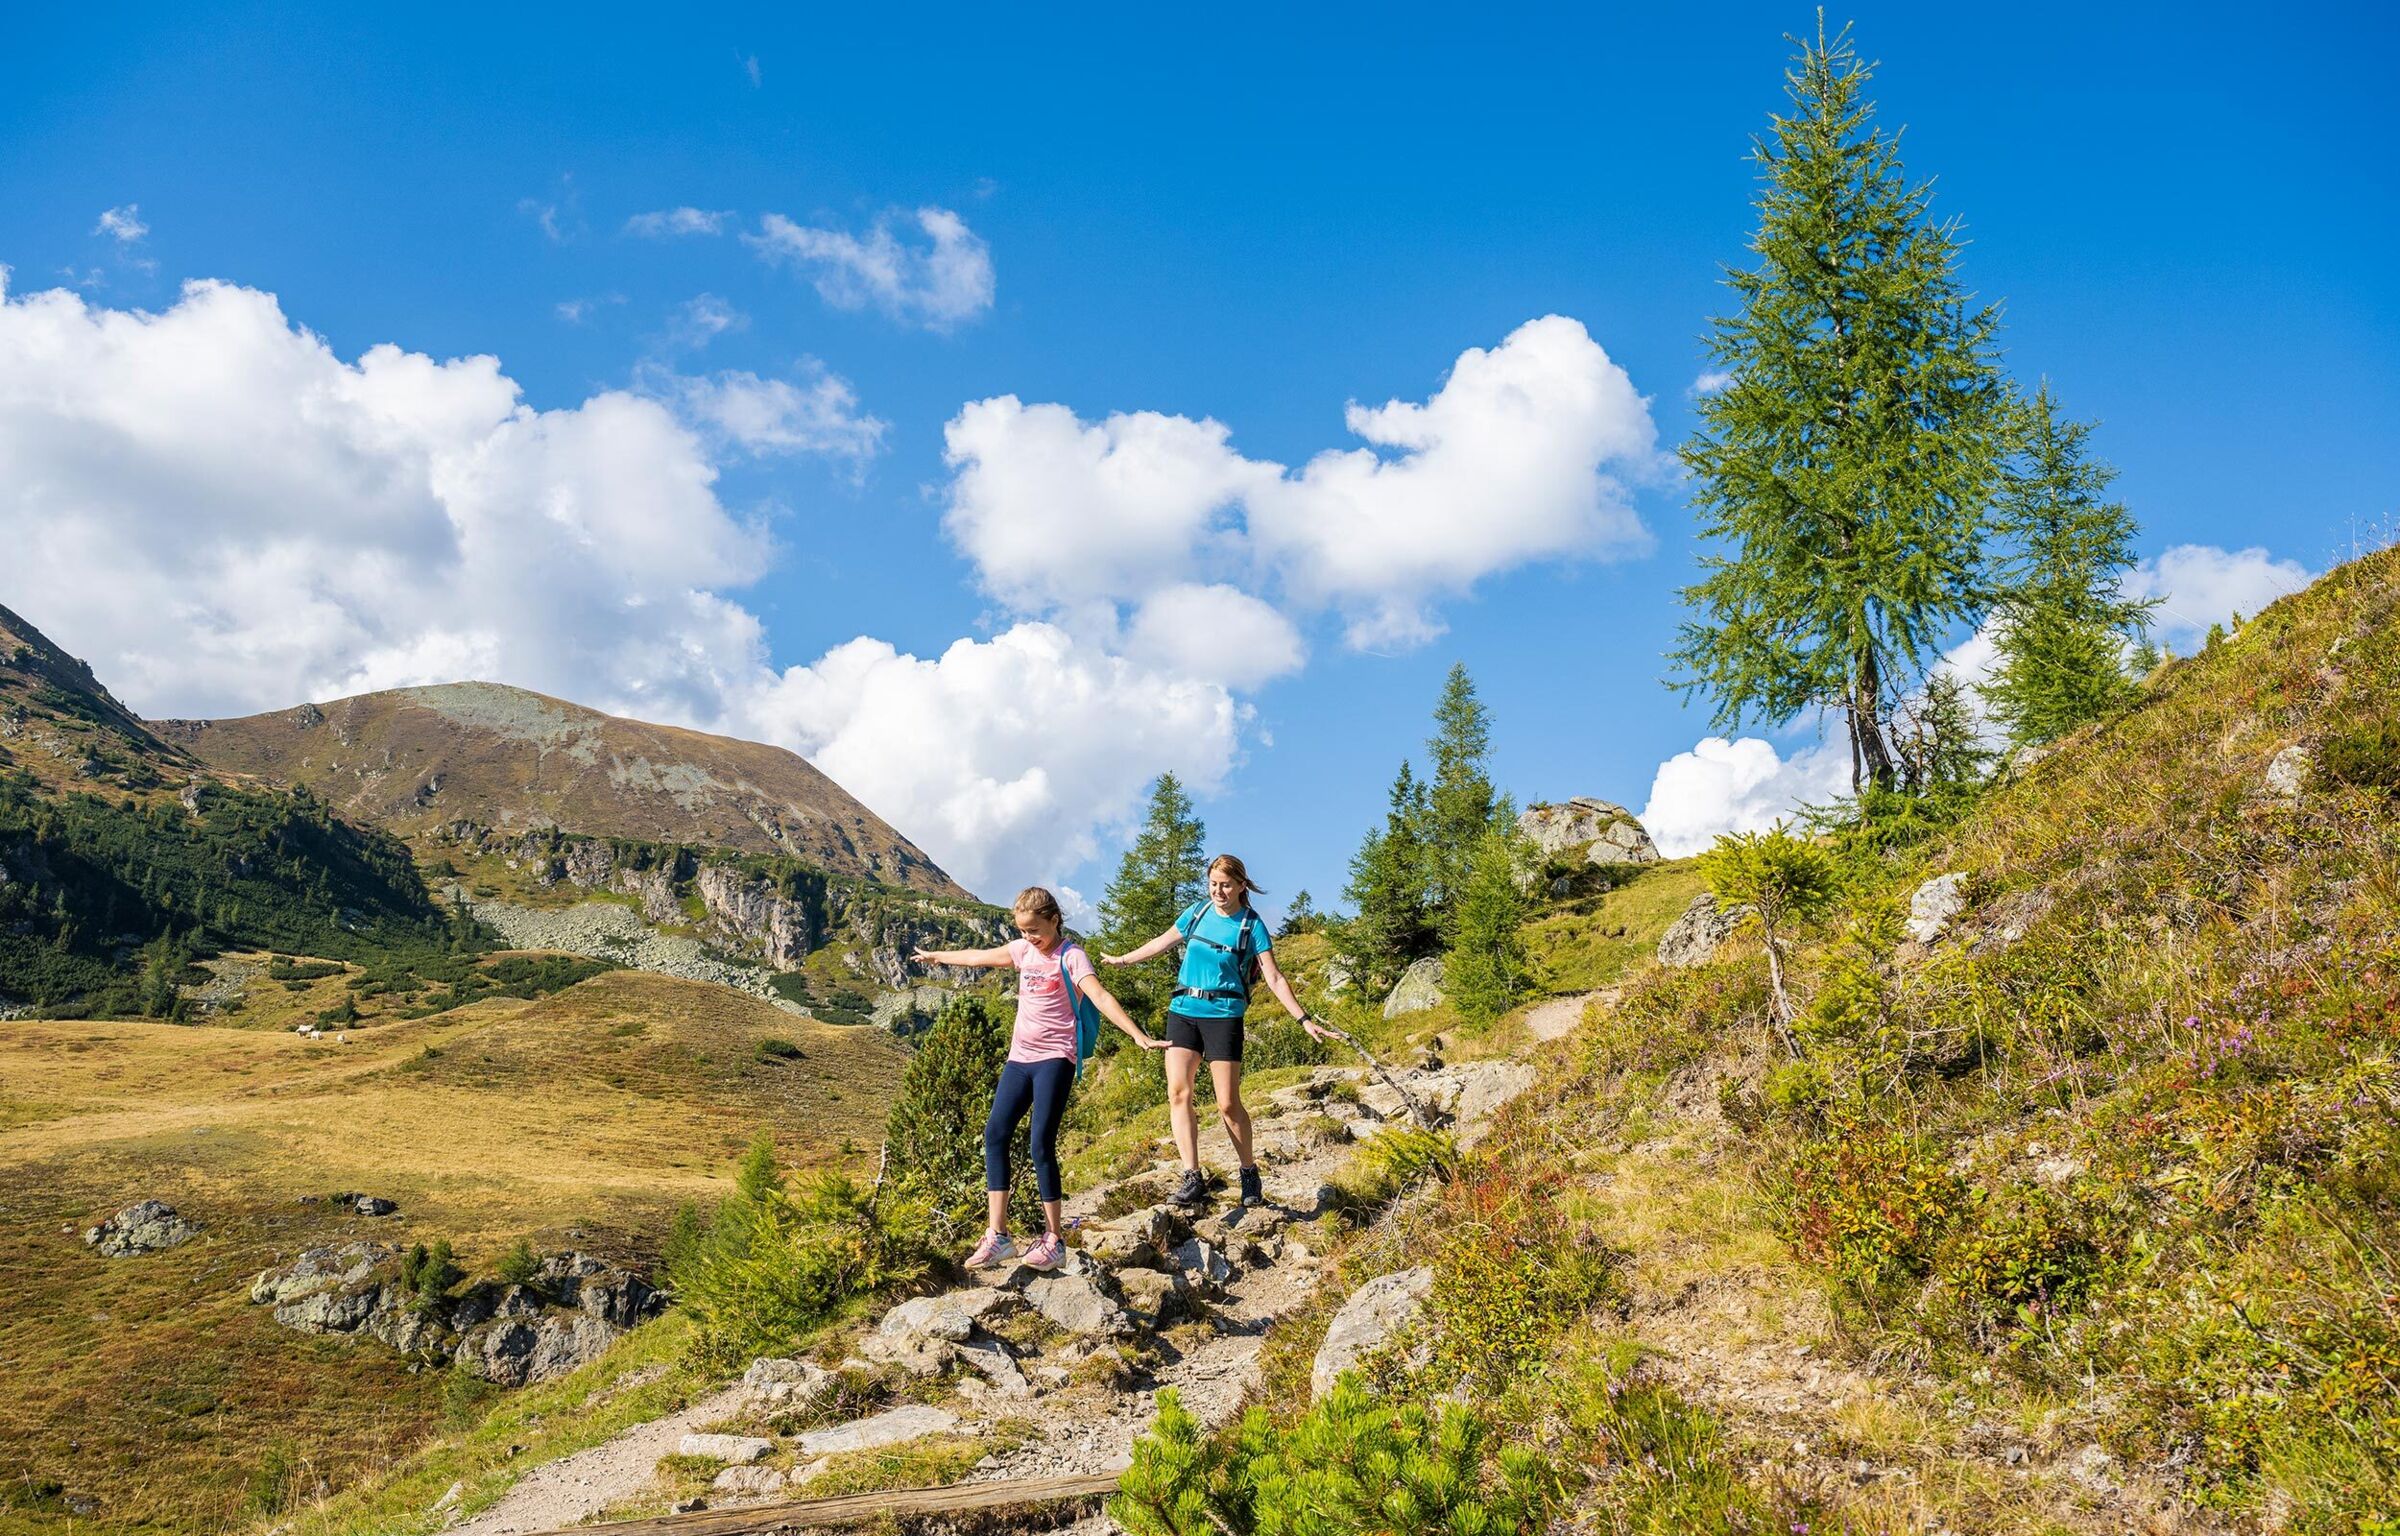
pixel 1780 1002
pixel 1866 720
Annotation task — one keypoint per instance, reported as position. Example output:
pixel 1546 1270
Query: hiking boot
pixel 1253 1193
pixel 994 1251
pixel 1046 1253
pixel 1191 1189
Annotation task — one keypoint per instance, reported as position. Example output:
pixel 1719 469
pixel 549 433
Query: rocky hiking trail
pixel 1061 1369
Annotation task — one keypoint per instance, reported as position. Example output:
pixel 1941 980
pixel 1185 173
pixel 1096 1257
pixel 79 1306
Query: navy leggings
pixel 1042 1086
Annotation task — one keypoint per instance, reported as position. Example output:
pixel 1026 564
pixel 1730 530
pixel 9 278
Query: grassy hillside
pixel 2080 1216
pixel 576 1119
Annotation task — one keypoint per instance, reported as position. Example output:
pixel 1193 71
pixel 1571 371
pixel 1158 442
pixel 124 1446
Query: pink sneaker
pixel 993 1251
pixel 1046 1253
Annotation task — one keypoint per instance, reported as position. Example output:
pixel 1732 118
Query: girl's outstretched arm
pixel 1281 986
pixel 962 957
pixel 1158 946
pixel 1108 1005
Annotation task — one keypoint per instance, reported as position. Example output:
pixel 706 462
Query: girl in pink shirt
pixel 1041 1064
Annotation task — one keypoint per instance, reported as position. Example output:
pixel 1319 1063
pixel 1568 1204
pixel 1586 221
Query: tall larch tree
pixel 1845 474
pixel 1460 799
pixel 1157 879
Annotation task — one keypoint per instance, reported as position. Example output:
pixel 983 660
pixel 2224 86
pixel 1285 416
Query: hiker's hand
pixel 1316 1031
pixel 1112 959
pixel 1153 1043
pixel 926 956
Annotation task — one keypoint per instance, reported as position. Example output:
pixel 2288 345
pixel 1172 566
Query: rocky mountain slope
pixel 416 759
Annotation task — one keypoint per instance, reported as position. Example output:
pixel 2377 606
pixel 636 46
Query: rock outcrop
pixel 1584 830
pixel 575 1307
pixel 1373 1317
pixel 1694 938
pixel 144 1227
pixel 1935 906
pixel 1419 988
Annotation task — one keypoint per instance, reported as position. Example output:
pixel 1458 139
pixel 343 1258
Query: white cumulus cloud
pixel 665 223
pixel 2200 584
pixel 1219 634
pixel 817 414
pixel 1525 453
pixel 1724 786
pixel 937 285
pixel 1003 757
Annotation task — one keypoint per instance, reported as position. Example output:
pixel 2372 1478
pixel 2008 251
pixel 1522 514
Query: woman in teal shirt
pixel 1226 946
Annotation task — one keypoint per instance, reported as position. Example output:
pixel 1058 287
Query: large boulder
pixel 1935 906
pixel 912 1009
pixel 143 1227
pixel 1077 1304
pixel 780 1384
pixel 1372 1317
pixel 1592 831
pixel 1694 938
pixel 1419 988
pixel 2287 774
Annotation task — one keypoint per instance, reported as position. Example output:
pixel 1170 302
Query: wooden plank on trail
pixel 851 1509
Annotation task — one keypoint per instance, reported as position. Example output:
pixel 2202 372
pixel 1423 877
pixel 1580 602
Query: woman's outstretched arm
pixel 962 957
pixel 1281 986
pixel 1158 946
pixel 1106 1002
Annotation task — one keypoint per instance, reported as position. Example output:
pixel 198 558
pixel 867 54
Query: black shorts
pixel 1214 1039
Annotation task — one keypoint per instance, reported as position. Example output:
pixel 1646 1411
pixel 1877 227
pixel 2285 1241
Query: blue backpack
pixel 1244 951
pixel 1087 1013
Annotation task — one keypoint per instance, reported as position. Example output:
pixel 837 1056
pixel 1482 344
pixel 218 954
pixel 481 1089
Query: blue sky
pixel 1245 216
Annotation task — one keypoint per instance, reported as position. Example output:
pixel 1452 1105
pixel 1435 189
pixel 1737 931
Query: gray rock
pixel 991 1360
pixel 1154 1299
pixel 373 1205
pixel 728 1448
pixel 1419 988
pixel 1078 1305
pixel 1202 1262
pixel 2287 773
pixel 146 1226
pixel 750 1481
pixel 1474 1092
pixel 331 1310
pixel 794 1385
pixel 1370 1319
pixel 1936 905
pixel 1606 833
pixel 1695 937
pixel 907 1011
pixel 894 1427
pixel 319 1269
pixel 950 1316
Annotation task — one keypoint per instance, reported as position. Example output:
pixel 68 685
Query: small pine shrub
pixel 1407 1154
pixel 427 1274
pixel 935 1128
pixel 775 1049
pixel 520 1265
pixel 1351 1463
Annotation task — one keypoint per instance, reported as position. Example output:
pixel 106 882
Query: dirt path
pixel 575 1488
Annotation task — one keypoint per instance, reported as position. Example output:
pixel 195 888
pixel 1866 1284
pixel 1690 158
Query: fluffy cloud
pixel 124 225
pixel 1218 634
pixel 702 319
pixel 1523 454
pixel 938 285
pixel 1711 381
pixel 1738 786
pixel 2198 585
pixel 223 516
pixel 1002 757
pixel 1056 511
pixel 665 223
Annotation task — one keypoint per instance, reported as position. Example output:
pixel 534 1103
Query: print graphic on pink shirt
pixel 1045 1013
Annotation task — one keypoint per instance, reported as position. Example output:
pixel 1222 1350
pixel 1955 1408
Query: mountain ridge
pixel 489 754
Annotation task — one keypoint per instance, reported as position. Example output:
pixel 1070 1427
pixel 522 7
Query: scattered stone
pixel 449 1500
pixel 889 1428
pixel 1075 1303
pixel 792 1385
pixel 733 1449
pixel 367 1205
pixel 1419 988
pixel 1605 833
pixel 1473 1093
pixel 749 1480
pixel 991 1360
pixel 1936 905
pixel 1203 1263
pixel 1154 1299
pixel 1372 1316
pixel 2287 774
pixel 1695 937
pixel 144 1227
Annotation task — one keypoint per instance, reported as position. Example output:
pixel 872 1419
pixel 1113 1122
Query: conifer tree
pixel 2066 632
pixel 1848 468
pixel 1387 892
pixel 1459 805
pixel 1488 966
pixel 1300 917
pixel 1159 876
pixel 935 1128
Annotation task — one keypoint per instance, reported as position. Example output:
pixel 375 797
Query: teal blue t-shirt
pixel 1207 966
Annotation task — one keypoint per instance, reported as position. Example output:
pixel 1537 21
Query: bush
pixel 935 1128
pixel 774 1049
pixel 779 1262
pixel 428 1273
pixel 1351 1463
pixel 1872 1205
pixel 519 1266
pixel 1513 1276
pixel 2365 757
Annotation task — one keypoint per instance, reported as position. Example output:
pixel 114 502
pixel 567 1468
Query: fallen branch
pixel 858 1508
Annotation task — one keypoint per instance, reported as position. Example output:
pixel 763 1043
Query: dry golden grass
pixel 578 1119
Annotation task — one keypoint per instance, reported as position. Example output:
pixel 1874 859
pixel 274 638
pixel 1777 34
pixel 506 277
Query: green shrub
pixel 1407 1154
pixel 2363 757
pixel 428 1273
pixel 774 1049
pixel 935 1128
pixel 2025 1251
pixel 1351 1463
pixel 779 1262
pixel 520 1265
pixel 1870 1204
pixel 1513 1275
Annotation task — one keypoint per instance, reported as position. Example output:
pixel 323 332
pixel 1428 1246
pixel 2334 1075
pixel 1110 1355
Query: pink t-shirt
pixel 1045 1013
